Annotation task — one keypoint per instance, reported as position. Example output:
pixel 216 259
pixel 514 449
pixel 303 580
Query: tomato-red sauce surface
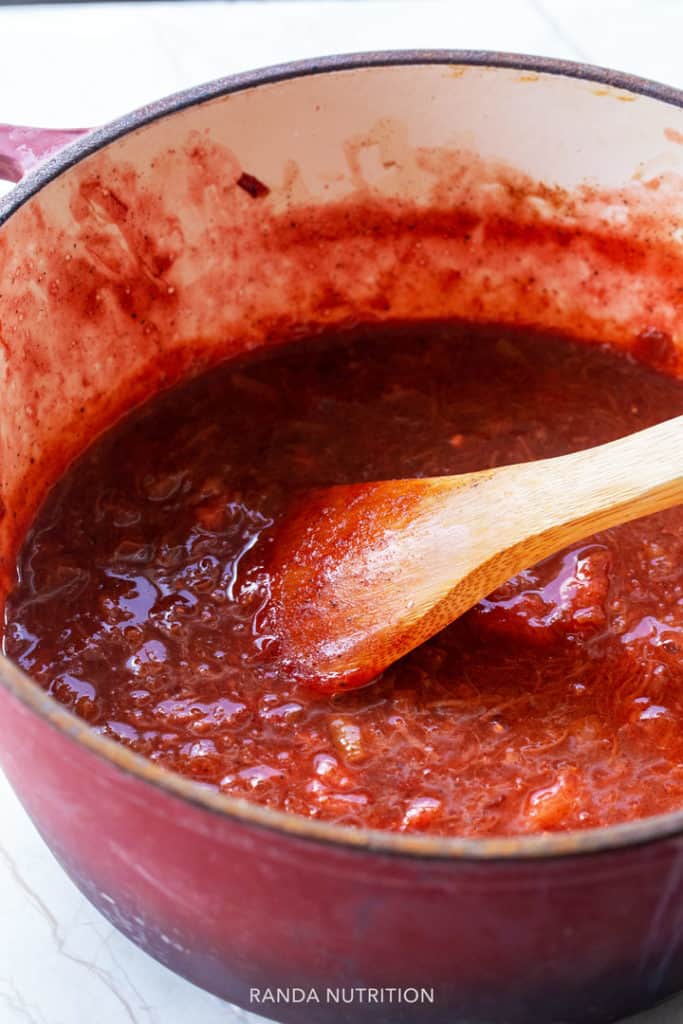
pixel 557 703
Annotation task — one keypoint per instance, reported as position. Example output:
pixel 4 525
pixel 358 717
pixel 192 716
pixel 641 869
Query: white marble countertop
pixel 67 66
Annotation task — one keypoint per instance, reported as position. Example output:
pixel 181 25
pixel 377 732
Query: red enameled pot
pixel 407 185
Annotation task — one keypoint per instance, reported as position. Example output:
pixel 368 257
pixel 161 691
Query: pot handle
pixel 22 148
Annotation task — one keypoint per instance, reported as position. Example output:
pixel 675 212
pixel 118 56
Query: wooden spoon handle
pixel 573 496
pixel 475 531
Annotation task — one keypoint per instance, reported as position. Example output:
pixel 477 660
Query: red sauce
pixel 142 592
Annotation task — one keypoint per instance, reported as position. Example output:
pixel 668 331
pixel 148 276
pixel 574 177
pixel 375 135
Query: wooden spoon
pixel 362 574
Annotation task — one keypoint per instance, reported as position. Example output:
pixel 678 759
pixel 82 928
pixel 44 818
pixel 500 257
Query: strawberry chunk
pixel 561 598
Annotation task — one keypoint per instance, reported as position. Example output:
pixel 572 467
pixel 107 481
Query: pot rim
pixel 30 694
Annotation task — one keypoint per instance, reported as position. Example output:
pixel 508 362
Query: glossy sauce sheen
pixel 142 593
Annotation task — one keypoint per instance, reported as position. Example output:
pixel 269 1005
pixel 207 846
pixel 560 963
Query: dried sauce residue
pixel 128 266
pixel 673 136
pixel 252 186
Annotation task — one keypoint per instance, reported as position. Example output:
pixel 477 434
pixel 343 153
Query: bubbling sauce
pixel 142 591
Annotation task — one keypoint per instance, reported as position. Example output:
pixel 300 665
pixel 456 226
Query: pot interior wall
pixel 404 192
